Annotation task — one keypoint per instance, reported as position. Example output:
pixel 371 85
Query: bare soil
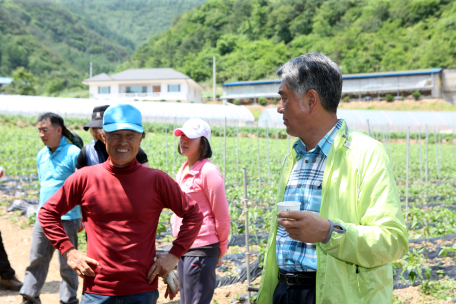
pixel 412 295
pixel 17 244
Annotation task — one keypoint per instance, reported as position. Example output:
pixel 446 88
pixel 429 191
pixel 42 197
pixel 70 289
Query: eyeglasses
pixel 43 130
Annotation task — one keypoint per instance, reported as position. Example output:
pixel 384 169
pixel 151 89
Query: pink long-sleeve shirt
pixel 204 185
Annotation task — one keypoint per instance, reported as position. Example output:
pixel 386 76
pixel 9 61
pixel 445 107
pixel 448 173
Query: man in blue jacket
pixel 56 162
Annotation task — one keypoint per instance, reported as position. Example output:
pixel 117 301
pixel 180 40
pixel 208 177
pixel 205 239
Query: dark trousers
pixel 150 297
pixel 6 272
pixel 197 279
pixel 302 294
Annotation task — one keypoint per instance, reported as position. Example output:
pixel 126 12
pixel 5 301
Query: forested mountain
pixel 138 20
pixel 53 43
pixel 252 38
pixel 57 39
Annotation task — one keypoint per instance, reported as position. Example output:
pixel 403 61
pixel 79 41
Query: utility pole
pixel 213 73
pixel 91 69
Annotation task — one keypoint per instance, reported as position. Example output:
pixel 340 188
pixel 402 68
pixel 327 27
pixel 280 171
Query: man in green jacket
pixel 339 247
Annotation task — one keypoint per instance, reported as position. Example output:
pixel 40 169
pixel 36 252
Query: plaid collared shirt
pixel 304 185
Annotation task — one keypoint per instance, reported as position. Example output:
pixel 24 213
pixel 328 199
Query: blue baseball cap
pixel 122 117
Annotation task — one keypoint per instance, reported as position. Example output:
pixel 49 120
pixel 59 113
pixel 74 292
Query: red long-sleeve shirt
pixel 120 210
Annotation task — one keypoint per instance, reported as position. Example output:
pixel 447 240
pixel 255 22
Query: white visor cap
pixel 194 128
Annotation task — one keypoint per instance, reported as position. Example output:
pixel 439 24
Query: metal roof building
pixel 5 81
pixel 151 111
pixel 380 120
pixel 428 81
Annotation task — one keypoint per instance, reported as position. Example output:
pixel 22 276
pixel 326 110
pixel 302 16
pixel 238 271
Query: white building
pixel 145 85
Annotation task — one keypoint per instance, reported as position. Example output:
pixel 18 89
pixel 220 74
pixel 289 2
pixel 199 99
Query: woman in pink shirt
pixel 200 179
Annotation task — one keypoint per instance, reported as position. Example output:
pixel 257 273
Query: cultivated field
pixel 430 211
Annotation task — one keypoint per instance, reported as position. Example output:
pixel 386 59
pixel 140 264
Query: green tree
pixel 23 83
pixel 389 97
pixel 262 101
pixel 55 86
pixel 416 95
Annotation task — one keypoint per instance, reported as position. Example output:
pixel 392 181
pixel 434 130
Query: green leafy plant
pixel 389 97
pixel 439 290
pixel 346 98
pixel 237 102
pixel 446 249
pixel 412 262
pixel 32 219
pixel 262 101
pixel 416 95
pixel 82 241
pixel 165 217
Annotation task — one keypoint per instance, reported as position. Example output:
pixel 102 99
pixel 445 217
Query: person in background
pixel 7 273
pixel 200 179
pixel 56 162
pixel 339 247
pixel 95 153
pixel 121 202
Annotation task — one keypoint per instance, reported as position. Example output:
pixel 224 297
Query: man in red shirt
pixel 121 202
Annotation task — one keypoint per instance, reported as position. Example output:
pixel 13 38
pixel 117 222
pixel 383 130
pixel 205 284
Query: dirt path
pixel 17 244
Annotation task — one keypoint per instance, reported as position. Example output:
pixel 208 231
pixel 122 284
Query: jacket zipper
pixel 317 300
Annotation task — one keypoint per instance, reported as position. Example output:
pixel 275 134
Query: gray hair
pixel 314 71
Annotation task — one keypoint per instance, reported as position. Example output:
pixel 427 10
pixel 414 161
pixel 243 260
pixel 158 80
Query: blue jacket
pixel 54 169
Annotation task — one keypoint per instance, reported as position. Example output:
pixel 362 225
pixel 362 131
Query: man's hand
pixel 78 261
pixel 162 266
pixel 304 226
pixel 220 259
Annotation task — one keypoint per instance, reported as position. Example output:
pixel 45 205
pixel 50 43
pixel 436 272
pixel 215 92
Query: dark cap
pixel 97 118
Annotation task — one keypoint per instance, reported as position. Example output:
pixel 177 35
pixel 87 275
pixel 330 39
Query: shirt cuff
pixel 65 246
pixel 177 251
pixel 339 229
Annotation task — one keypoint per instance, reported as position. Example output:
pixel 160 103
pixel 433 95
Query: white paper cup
pixel 289 206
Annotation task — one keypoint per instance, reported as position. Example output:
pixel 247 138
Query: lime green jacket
pixel 358 192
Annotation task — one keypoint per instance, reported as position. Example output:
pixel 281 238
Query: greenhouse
pixel 380 120
pixel 172 112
